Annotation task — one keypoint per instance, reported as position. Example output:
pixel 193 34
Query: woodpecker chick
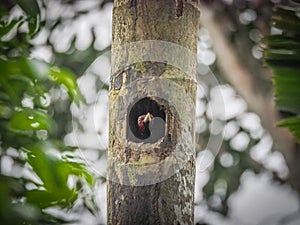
pixel 150 128
pixel 143 120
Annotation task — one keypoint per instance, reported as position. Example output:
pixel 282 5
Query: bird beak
pixel 148 118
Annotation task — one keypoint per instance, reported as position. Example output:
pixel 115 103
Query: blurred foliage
pixel 227 168
pixel 245 23
pixel 37 170
pixel 282 54
pixel 224 180
pixel 58 39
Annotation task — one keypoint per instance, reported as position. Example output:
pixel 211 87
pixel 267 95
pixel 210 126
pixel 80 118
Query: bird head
pixel 143 120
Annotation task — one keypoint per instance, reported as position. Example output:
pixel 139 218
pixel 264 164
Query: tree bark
pixel 151 180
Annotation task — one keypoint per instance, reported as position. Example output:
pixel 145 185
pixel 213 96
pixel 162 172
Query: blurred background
pixel 55 74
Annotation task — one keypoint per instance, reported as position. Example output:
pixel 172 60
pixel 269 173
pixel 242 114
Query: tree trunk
pixel 151 174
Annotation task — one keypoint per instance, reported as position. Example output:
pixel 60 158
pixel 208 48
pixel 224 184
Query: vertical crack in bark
pixel 178 8
pixel 133 7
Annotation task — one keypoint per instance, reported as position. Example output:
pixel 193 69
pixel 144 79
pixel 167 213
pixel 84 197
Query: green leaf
pixel 31 8
pixel 30 119
pixel 293 124
pixel 281 42
pixel 282 58
pixel 34 72
pixel 282 53
pixel 33 68
pixel 5 111
pixel 68 79
pixel 46 166
pixel 287 91
pixel 21 76
pixel 61 146
pixel 54 174
pixel 286 18
pixel 45 199
pixel 7 26
pixel 79 169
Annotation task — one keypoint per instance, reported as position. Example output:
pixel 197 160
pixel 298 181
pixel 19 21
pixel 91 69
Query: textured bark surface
pixel 152 181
